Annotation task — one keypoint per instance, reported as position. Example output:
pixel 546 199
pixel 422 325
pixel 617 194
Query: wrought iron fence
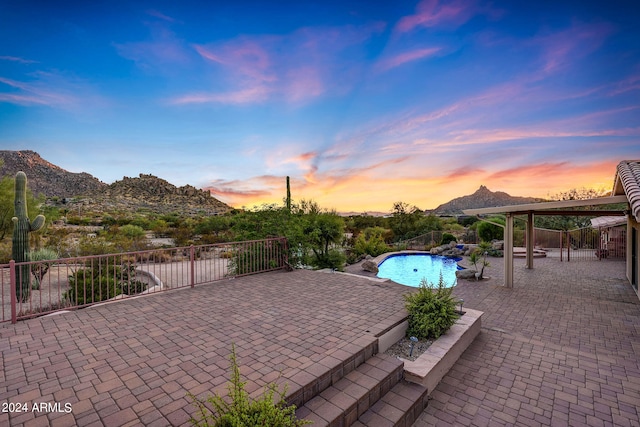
pixel 581 244
pixel 31 289
pixel 434 238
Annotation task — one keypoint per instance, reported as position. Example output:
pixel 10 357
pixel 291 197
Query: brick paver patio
pixel 561 348
pixel 133 362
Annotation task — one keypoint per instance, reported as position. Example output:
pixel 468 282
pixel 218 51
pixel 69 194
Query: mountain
pixel 482 198
pixel 148 192
pixel 47 178
pixel 84 192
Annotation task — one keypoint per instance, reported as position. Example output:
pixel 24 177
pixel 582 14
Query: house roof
pixel 627 182
pixel 608 221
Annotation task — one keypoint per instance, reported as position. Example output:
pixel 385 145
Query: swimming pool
pixel 410 269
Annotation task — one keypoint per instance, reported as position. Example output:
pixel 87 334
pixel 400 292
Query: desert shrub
pixel 102 282
pixel 336 259
pixel 371 242
pixel 240 410
pixel 41 269
pixel 432 310
pixel 447 238
pixel 488 232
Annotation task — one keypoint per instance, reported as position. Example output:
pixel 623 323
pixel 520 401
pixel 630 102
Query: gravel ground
pixel 403 347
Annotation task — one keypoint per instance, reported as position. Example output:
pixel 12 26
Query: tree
pixel 488 231
pixel 322 230
pixel 371 242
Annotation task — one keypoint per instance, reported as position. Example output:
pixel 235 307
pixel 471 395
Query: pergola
pixel 563 208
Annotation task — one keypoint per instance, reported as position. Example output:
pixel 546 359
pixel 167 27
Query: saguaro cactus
pixel 288 195
pixel 21 229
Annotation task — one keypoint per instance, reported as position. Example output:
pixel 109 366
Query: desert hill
pixel 482 198
pixel 47 178
pixel 84 191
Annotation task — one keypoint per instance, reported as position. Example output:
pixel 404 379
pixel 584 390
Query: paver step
pixel 400 407
pixel 352 396
pixel 319 377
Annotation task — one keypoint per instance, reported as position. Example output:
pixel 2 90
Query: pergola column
pixel 508 251
pixel 529 238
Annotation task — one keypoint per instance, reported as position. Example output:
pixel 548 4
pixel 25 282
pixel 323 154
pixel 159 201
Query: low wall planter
pixel 429 369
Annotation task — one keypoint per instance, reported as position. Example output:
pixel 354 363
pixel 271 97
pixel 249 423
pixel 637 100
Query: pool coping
pixel 381 258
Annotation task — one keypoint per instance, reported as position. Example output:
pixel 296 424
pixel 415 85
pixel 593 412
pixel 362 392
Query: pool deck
pixel 560 348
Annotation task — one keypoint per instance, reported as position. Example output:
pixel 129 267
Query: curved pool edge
pixel 382 258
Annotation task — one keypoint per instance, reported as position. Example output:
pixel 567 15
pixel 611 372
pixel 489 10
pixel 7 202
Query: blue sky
pixel 362 103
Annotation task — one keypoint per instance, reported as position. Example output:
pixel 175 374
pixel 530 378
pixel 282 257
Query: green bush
pixel 242 411
pixel 99 283
pixel 447 238
pixel 488 231
pixel 371 242
pixel 432 310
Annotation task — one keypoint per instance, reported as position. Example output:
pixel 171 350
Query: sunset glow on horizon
pixel 362 104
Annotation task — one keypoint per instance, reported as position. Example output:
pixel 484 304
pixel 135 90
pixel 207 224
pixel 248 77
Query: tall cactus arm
pixel 38 223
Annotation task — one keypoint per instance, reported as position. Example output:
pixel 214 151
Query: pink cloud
pixel 629 84
pixel 245 57
pixel 294 68
pixel 433 13
pixel 405 57
pixel 562 49
pixel 249 95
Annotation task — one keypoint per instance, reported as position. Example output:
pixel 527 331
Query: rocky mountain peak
pixel 129 194
pixel 482 198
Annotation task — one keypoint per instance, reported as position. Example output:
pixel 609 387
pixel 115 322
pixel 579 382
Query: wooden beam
pixel 572 213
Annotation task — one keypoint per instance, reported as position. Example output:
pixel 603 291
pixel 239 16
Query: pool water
pixel 411 269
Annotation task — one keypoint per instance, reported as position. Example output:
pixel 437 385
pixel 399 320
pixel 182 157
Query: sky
pixel 362 103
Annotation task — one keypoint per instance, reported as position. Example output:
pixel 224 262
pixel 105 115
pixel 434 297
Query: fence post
pixel 192 263
pixel 14 298
pixel 285 248
pixel 568 246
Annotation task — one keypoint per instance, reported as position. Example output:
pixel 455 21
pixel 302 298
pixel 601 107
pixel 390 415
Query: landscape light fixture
pixel 414 340
pixel 461 302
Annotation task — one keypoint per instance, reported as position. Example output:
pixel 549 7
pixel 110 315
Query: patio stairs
pixel 366 389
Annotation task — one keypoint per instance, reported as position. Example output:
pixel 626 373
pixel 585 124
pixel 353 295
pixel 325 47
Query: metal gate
pixel 582 244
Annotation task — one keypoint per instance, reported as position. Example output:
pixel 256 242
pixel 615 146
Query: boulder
pixel 467 273
pixel 498 245
pixel 370 266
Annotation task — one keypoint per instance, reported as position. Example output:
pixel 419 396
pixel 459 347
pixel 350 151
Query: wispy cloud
pixel 405 57
pixel 163 53
pixel 434 13
pixel 17 59
pixel 34 93
pixel 295 67
pixel 249 95
pixel 563 49
pixel 157 14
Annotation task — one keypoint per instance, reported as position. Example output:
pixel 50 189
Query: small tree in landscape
pixel 239 410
